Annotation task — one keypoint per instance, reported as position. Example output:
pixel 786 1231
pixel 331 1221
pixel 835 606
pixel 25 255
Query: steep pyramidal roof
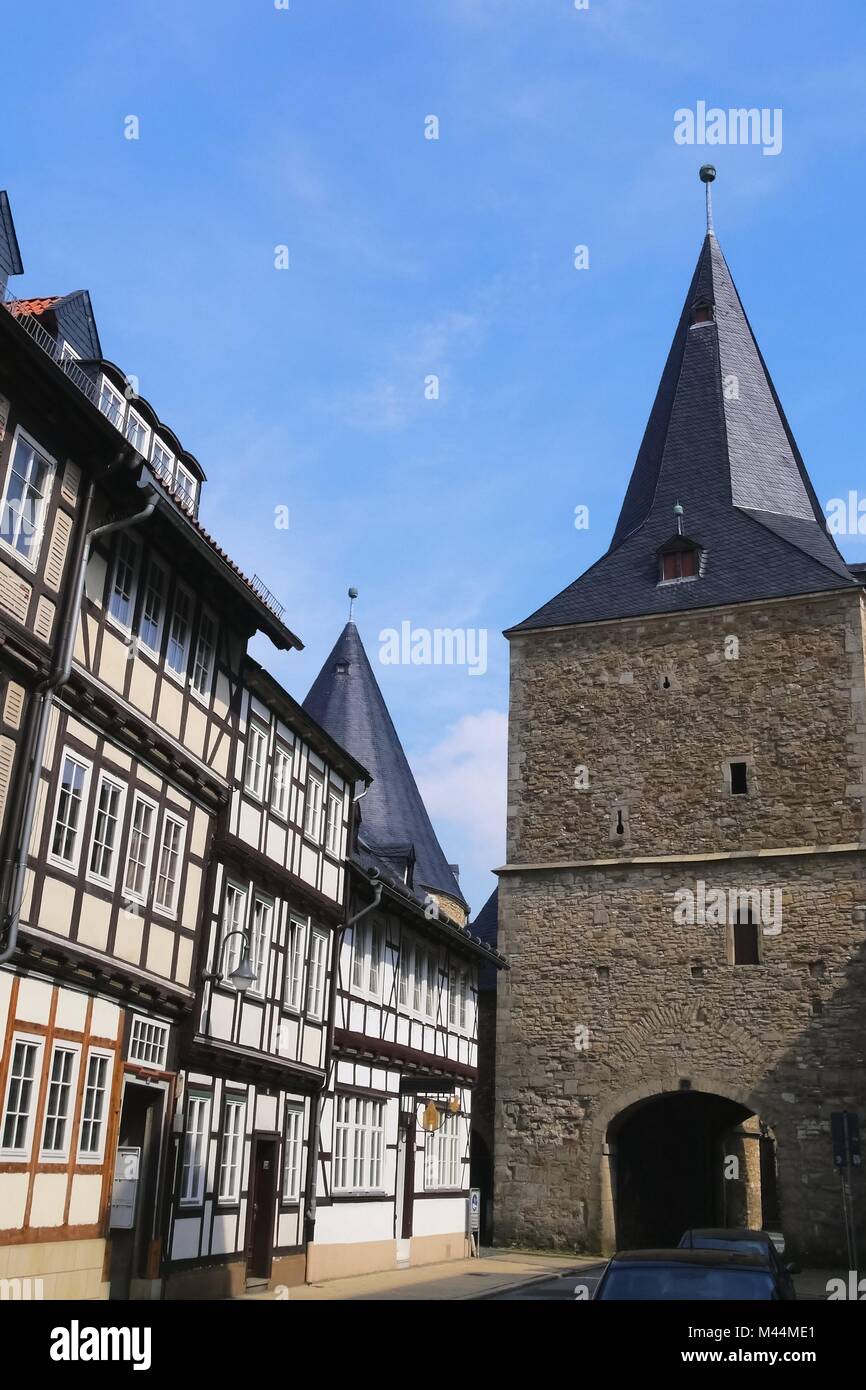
pixel 717 442
pixel 346 700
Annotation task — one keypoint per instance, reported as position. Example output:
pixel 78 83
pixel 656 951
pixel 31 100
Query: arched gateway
pixel 681 1159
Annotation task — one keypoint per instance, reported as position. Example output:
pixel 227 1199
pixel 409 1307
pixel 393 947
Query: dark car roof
pixel 728 1233
pixel 719 1259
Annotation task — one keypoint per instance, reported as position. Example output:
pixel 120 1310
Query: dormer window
pixel 703 311
pixel 679 559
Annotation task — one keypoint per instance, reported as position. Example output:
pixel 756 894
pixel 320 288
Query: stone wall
pixel 611 1000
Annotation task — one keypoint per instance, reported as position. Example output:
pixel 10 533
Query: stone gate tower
pixel 684 903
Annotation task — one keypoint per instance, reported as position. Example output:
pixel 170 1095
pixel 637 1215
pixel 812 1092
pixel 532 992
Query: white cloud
pixel 463 783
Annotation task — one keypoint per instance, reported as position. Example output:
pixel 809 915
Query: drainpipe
pixel 43 698
pixel 319 1104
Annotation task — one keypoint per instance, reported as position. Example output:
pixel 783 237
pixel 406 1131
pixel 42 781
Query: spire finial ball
pixel 707 173
pixel 353 592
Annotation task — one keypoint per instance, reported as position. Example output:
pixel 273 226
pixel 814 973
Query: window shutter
pixel 56 556
pixel 7 757
pixel 13 705
pixel 71 483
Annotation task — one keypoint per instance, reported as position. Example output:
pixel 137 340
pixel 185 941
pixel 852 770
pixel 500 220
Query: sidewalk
pixel 453 1281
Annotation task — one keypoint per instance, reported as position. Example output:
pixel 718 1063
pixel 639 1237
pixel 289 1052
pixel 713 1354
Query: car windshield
pixel 683 1281
pixel 751 1247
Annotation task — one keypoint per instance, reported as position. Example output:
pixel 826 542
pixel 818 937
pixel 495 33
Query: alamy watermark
pixel 441 646
pixel 720 907
pixel 737 126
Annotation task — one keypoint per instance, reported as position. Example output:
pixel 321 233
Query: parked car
pixel 690 1275
pixel 743 1239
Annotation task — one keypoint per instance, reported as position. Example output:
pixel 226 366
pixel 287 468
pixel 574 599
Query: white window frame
pixel 61 1155
pixel 71 865
pixel 156 464
pixel 317 973
pixel 443 1157
pixel 313 807
pixel 281 786
pixel 21 1152
pixel 293 1153
pixel 68 353
pixel 107 387
pixel 376 947
pixel 231 958
pixel 358 1163
pixel 148 1042
pixel 204 696
pixel 232 1143
pixel 260 943
pixel 432 986
pixel 176 674
pixel 170 909
pixel 198 1149
pixel 154 564
pixel 95 1155
pixel 139 419
pixel 406 984
pixel 256 731
pixel 334 823
pixel 124 539
pixel 188 485
pixel 129 894
pixel 31 560
pixel 296 956
pixel 111 780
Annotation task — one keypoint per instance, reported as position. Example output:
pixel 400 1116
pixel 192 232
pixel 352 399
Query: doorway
pixel 263 1191
pixel 138 1143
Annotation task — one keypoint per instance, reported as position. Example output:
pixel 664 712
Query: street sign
pixel 475 1209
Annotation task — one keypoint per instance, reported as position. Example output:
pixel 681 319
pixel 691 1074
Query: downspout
pixel 43 696
pixel 319 1099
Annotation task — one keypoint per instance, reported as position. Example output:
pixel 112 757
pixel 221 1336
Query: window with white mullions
pixel 260 941
pixel 458 986
pixel 179 633
pixel 334 823
pixel 168 868
pixel 149 1042
pixel 106 829
pixel 93 1109
pixel 407 957
pixel 135 881
pixel 153 608
pixel 68 812
pixel 231 1156
pixel 313 808
pixel 316 977
pixel 234 914
pixel 205 653
pixel 58 1102
pixel 295 962
pixel 111 403
pixel 124 576
pixel 254 767
pixel 359 1144
pixel 194 1166
pixel 137 432
pixel 442 1166
pixel 20 1096
pixel 162 461
pixel 25 498
pixel 375 961
pixel 292 1154
pixel 185 486
pixel 281 780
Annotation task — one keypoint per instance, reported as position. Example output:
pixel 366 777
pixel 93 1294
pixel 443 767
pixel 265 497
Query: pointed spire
pixel 707 175
pixel 717 442
pixel 346 700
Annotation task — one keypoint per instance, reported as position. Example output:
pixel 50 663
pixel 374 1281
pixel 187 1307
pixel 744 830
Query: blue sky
pixel 409 257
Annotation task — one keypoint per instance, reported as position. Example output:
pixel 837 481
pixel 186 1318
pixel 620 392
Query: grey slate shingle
pixel 729 457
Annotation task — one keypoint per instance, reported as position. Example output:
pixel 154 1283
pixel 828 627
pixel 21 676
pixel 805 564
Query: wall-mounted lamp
pixel 243 977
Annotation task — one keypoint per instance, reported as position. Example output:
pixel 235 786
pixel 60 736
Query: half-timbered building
pixel 393 1154
pixel 123 633
pixel 255 1058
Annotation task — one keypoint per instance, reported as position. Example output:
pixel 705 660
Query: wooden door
pixel 262 1197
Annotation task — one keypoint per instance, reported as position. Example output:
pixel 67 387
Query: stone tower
pixel 684 899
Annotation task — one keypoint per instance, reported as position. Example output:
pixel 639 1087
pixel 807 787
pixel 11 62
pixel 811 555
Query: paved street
pixel 562 1288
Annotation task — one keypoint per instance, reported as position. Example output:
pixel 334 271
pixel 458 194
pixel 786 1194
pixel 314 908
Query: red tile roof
pixel 34 306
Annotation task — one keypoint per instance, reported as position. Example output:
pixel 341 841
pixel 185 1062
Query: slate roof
pixel 10 254
pixel 346 700
pixel 717 441
pixel 486 928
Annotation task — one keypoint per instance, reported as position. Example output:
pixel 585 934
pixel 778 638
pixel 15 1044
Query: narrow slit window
pixel 745 940
pixel 739 779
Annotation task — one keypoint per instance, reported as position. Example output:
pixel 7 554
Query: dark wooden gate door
pixel 409 1178
pixel 262 1209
